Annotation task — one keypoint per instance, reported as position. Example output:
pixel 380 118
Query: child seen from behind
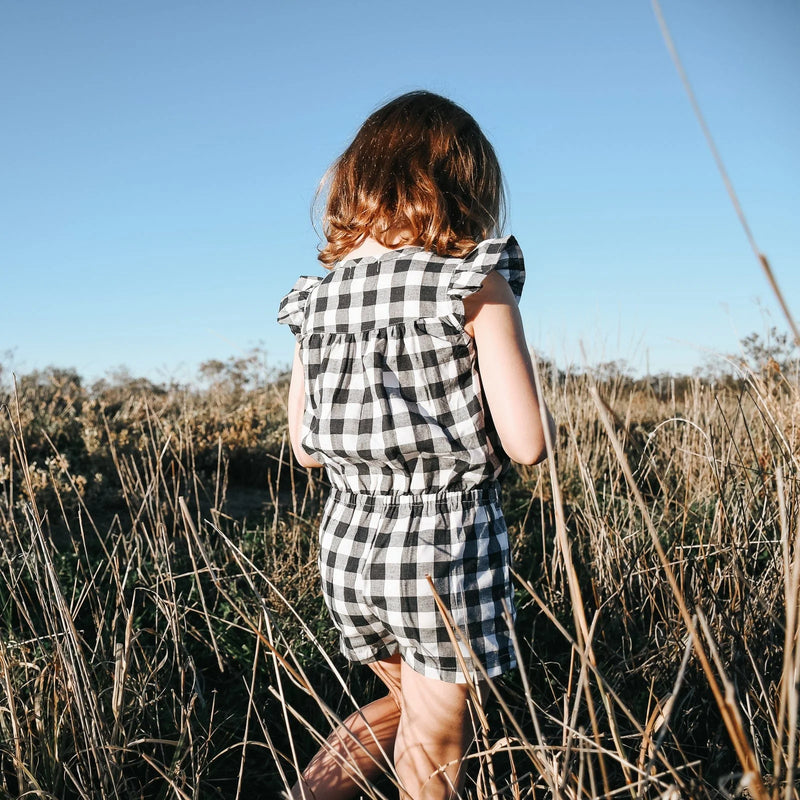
pixel 412 385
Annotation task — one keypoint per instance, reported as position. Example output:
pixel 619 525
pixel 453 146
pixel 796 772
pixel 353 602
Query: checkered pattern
pixel 394 400
pixel 395 411
pixel 375 553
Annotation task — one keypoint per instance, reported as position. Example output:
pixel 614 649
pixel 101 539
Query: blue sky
pixel 160 159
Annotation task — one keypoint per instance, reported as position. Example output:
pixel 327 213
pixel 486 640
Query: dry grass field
pixel 162 633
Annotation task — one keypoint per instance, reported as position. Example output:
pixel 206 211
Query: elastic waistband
pixel 449 498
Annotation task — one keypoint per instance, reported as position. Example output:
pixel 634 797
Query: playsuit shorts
pixel 376 552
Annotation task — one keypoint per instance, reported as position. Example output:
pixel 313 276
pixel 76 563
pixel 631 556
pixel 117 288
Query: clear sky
pixel 159 160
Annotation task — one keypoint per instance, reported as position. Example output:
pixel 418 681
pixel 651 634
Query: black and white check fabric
pixel 394 400
pixel 375 554
pixel 395 411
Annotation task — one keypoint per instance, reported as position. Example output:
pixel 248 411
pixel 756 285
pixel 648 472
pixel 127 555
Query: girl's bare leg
pixel 434 731
pixel 329 775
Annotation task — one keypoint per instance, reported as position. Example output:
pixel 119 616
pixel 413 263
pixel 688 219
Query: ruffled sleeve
pixel 503 255
pixel 292 309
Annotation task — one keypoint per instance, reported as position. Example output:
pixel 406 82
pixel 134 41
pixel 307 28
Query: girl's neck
pixel 369 247
pixel 372 247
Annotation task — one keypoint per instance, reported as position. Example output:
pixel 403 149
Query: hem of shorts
pixel 369 655
pixel 497 667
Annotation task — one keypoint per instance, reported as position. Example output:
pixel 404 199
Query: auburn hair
pixel 419 165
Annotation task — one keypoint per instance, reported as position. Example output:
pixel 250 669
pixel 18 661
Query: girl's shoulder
pixel 396 285
pixel 291 310
pixel 455 276
pixel 502 255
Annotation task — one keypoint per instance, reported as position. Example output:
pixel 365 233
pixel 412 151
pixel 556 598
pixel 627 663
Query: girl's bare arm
pixel 504 362
pixel 297 399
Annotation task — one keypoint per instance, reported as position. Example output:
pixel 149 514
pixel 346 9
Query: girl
pixel 387 394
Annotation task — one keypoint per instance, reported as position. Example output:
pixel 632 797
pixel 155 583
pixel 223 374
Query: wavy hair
pixel 419 166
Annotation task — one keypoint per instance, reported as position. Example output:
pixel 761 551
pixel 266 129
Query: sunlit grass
pixel 162 632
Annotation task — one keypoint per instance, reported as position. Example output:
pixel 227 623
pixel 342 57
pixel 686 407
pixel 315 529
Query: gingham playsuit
pixel 395 412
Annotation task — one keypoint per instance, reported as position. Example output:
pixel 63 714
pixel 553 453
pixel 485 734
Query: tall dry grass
pixel 162 632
